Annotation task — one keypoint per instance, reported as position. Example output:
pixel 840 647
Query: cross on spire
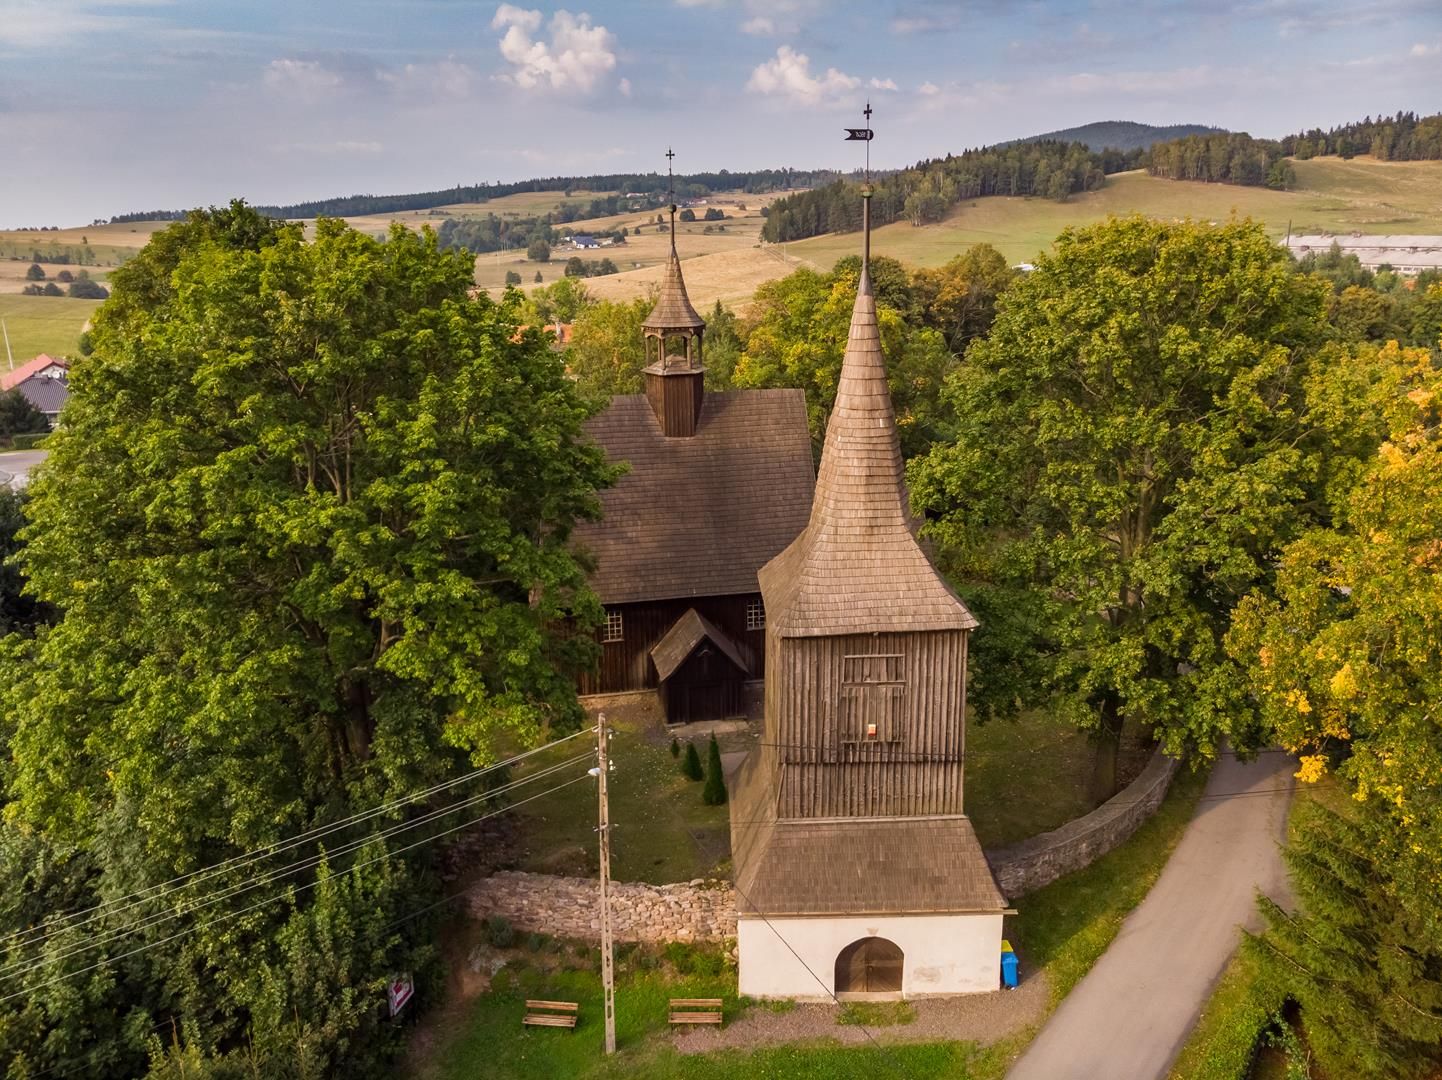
pixel 671 195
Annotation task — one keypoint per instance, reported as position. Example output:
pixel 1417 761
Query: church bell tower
pixel 675 376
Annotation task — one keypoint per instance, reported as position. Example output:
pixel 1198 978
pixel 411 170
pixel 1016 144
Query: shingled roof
pixel 685 634
pixel 857 567
pixel 673 310
pixel 699 516
pixel 862 866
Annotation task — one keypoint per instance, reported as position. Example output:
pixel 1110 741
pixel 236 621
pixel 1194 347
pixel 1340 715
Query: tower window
pixel 755 615
pixel 615 629
pixel 873 698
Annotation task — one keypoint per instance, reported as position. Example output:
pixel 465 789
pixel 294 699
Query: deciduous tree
pixel 1126 456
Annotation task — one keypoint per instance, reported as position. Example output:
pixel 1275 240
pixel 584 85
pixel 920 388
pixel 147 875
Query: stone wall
pixel 1027 866
pixel 566 907
pixel 706 910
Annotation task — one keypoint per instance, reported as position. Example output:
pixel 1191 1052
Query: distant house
pixel 48 393
pixel 584 241
pixel 43 367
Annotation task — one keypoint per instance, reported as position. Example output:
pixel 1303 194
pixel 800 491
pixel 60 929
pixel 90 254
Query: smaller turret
pixel 675 377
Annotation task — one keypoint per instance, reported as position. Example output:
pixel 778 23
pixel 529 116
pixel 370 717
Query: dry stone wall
pixel 1027 866
pixel 566 907
pixel 706 910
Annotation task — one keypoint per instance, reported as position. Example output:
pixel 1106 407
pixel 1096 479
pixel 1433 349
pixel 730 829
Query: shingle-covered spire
pixel 857 566
pixel 673 310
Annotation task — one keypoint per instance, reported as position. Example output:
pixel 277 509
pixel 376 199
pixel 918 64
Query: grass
pixel 872 1014
pixel 43 324
pixel 1223 1044
pixel 658 814
pixel 491 1043
pixel 1066 926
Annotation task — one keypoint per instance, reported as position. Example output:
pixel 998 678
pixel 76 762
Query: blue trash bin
pixel 1009 971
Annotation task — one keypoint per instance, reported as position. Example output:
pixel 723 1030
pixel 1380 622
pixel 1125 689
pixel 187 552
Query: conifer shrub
pixel 715 792
pixel 675 747
pixel 691 763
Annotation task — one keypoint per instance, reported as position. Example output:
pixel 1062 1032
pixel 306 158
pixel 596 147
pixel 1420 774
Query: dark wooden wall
pixel 822 770
pixel 706 687
pixel 626 665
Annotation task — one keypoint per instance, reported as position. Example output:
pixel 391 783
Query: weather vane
pixel 863 134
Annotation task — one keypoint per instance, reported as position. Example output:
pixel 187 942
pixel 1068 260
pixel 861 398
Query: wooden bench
pixel 550 1014
pixel 696 1011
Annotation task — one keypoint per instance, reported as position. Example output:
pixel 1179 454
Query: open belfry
pixel 856 867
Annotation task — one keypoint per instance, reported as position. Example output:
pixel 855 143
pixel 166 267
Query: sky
pixel 114 106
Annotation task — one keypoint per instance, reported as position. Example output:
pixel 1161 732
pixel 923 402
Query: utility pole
pixel 8 354
pixel 608 967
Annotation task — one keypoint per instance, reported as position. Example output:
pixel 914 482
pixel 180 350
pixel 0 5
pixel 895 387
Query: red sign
pixel 399 992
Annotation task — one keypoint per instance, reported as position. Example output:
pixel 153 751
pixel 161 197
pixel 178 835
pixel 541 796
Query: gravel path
pixel 982 1018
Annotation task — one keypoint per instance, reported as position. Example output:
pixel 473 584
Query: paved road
pixel 15 465
pixel 1128 1019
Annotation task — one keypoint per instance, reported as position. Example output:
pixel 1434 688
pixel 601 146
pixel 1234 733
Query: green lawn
pixel 1333 196
pixel 43 324
pixel 658 814
pixel 491 1043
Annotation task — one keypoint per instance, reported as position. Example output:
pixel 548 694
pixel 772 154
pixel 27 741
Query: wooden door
pixel 869 966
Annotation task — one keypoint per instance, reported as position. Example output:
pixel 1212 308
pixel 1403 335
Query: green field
pixel 1360 195
pixel 43 324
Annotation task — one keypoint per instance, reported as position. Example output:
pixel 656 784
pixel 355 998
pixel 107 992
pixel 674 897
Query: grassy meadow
pixel 43 324
pixel 1361 195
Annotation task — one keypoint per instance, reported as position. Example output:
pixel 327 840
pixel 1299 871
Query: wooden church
pixel 718 483
pixel 849 840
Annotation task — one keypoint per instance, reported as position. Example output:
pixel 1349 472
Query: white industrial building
pixel 1406 254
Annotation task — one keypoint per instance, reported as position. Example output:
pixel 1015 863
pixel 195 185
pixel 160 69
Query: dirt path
pixel 1132 1013
pixel 982 1018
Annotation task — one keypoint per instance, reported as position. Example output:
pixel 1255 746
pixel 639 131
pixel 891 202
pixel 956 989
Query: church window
pixel 614 627
pixel 755 615
pixel 873 698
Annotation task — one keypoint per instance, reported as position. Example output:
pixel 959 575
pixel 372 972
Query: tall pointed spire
pixel 675 376
pixel 857 566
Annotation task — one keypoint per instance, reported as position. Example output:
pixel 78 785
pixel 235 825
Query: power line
pixel 288 892
pixel 241 888
pixel 133 899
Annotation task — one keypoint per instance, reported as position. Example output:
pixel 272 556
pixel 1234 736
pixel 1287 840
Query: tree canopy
pixel 1124 464
pixel 306 526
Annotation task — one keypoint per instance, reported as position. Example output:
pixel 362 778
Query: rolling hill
pixel 1121 134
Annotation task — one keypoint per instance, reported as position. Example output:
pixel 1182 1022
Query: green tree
pixel 691 763
pixel 34 272
pixel 688 215
pixel 797 338
pixel 334 495
pixel 18 416
pixel 1125 458
pixel 513 278
pixel 539 250
pixel 561 301
pixel 607 349
pixel 959 298
pixel 52 289
pixel 1360 952
pixel 538 278
pixel 19 611
pixel 714 794
pixel 1345 660
pixel 85 289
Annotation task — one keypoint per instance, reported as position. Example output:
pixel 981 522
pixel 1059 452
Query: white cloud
pixel 928 89
pixel 574 60
pixel 761 26
pixel 789 75
pixel 1421 49
pixel 625 87
pixel 882 84
pixel 308 78
pixel 30 24
pixel 448 78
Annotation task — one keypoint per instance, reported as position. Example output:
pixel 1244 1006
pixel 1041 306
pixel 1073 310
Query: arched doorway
pixel 869 966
